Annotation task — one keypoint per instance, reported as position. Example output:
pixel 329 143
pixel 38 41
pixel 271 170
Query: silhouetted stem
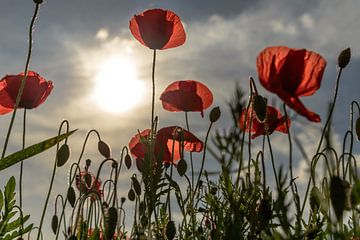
pixel 323 132
pixel 52 178
pixel 21 166
pixel 22 163
pixel 203 158
pixel 23 80
pixel 191 158
pixel 272 162
pixel 153 92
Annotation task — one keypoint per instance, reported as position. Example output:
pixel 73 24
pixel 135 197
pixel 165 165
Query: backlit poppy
pixel 187 96
pixel 36 90
pixel 85 186
pixel 167 140
pixel 274 121
pixel 291 73
pixel 158 29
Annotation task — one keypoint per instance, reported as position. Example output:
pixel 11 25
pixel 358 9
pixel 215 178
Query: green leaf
pixel 355 194
pixel 32 150
pixel 1 200
pixel 16 223
pixel 10 189
pixel 95 234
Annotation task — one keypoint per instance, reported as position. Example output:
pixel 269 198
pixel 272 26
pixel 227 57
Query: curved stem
pixel 23 80
pixel 331 110
pixel 52 178
pixel 324 130
pixel 203 159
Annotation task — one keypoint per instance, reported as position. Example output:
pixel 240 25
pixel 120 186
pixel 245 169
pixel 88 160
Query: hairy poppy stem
pixel 22 164
pixel 52 177
pixel 272 161
pixel 23 81
pixel 191 158
pixel 243 140
pixel 323 134
pixel 153 92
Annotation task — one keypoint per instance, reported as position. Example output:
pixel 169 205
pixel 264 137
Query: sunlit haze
pixel 116 88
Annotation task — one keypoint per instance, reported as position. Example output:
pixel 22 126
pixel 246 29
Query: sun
pixel 117 88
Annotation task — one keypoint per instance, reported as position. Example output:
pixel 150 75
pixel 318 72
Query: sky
pixel 74 41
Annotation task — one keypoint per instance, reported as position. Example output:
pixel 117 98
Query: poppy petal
pixel 291 73
pixel 6 103
pixel 158 29
pixel 138 149
pixel 186 95
pixel 178 37
pixel 274 121
pixel 35 92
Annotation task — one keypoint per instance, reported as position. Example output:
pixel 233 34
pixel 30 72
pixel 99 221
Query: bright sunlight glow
pixel 117 88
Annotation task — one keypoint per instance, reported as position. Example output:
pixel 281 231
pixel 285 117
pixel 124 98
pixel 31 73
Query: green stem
pixel 23 80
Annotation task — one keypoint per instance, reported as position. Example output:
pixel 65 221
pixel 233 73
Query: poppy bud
pixel 337 195
pixel 114 165
pixel 54 223
pixel 131 195
pixel 170 230
pixel 104 149
pixel 357 128
pixel 259 106
pixel 136 185
pixel 122 200
pixel 181 167
pixel 38 1
pixel 344 58
pixel 88 162
pixel 128 161
pixel 215 114
pixel 71 196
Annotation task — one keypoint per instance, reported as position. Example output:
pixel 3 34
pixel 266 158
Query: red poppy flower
pixel 84 187
pixel 274 121
pixel 36 90
pixel 167 140
pixel 187 96
pixel 158 29
pixel 291 73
